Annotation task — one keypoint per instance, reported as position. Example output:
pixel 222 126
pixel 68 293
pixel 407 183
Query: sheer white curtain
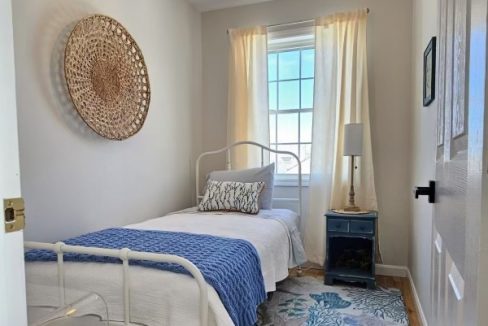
pixel 341 96
pixel 248 115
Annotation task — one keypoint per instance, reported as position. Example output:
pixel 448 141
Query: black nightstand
pixel 351 248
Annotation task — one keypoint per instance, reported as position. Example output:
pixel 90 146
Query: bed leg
pixel 299 271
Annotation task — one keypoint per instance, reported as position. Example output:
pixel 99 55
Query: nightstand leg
pixel 371 285
pixel 328 280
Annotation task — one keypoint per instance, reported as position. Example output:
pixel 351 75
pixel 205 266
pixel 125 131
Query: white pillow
pixel 231 196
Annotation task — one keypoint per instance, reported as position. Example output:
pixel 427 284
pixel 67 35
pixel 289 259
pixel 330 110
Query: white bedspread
pixel 165 298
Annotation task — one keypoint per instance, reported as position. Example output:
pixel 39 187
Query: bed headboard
pixel 228 151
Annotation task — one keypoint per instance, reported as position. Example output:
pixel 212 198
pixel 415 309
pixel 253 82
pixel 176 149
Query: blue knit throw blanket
pixel 231 266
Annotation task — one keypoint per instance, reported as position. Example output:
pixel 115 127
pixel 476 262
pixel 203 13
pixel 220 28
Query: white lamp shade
pixel 353 139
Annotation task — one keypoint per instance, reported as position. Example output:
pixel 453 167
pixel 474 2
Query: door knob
pixel 426 191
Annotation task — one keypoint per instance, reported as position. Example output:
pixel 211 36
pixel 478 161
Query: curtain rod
pixel 296 22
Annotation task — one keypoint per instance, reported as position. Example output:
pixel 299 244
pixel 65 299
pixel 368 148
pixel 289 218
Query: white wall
pixel 389 38
pixel 73 180
pixel 423 146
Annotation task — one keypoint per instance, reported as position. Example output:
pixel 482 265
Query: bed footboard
pixel 125 255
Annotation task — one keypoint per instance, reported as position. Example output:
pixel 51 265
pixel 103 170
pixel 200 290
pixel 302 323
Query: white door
pixel 12 279
pixel 458 276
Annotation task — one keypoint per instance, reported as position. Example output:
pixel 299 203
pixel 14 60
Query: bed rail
pixel 228 150
pixel 125 255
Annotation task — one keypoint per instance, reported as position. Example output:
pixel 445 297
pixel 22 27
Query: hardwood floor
pixel 401 283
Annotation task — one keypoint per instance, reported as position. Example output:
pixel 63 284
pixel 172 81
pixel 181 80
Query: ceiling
pixel 208 5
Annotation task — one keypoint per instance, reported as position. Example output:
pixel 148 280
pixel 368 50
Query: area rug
pixel 306 301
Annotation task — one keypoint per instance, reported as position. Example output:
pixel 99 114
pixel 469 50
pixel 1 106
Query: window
pixel 291 90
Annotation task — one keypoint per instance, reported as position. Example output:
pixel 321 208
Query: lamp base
pixel 352 209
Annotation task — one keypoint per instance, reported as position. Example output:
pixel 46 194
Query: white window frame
pixel 283 38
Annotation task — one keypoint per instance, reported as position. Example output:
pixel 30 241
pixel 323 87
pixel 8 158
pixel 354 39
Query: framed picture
pixel 429 72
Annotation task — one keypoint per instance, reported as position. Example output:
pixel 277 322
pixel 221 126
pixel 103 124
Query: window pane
pixel 272 66
pixel 288 131
pixel 306 127
pixel 272 95
pixel 308 63
pixel 305 158
pixel 287 164
pixel 307 94
pixel 272 128
pixel 289 97
pixel 289 65
pixel 288 128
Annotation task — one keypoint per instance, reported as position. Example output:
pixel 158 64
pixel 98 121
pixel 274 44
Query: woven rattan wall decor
pixel 107 77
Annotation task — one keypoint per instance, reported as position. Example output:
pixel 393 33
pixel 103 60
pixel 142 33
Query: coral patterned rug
pixel 307 301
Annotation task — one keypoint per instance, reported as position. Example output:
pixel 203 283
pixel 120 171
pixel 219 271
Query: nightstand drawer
pixel 337 225
pixel 362 227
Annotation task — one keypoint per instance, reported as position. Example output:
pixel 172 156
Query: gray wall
pixel 389 38
pixel 74 181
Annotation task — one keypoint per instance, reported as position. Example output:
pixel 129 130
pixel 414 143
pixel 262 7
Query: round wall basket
pixel 107 77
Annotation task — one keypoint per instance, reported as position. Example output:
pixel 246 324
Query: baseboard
pixel 403 271
pixel 391 270
pixel 420 311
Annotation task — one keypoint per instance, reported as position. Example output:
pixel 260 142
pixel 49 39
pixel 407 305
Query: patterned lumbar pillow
pixel 231 196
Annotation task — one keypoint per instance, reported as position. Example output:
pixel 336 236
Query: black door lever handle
pixel 426 191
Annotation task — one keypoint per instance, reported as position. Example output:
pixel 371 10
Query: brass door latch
pixel 13 210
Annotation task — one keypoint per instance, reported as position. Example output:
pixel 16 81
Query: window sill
pixel 290 180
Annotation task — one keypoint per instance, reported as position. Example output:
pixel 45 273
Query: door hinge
pixel 13 209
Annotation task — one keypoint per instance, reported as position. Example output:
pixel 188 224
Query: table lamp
pixel 353 146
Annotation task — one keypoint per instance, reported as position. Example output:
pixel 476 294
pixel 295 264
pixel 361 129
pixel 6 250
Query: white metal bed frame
pixel 125 255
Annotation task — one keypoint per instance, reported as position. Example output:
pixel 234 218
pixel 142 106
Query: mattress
pixel 165 298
